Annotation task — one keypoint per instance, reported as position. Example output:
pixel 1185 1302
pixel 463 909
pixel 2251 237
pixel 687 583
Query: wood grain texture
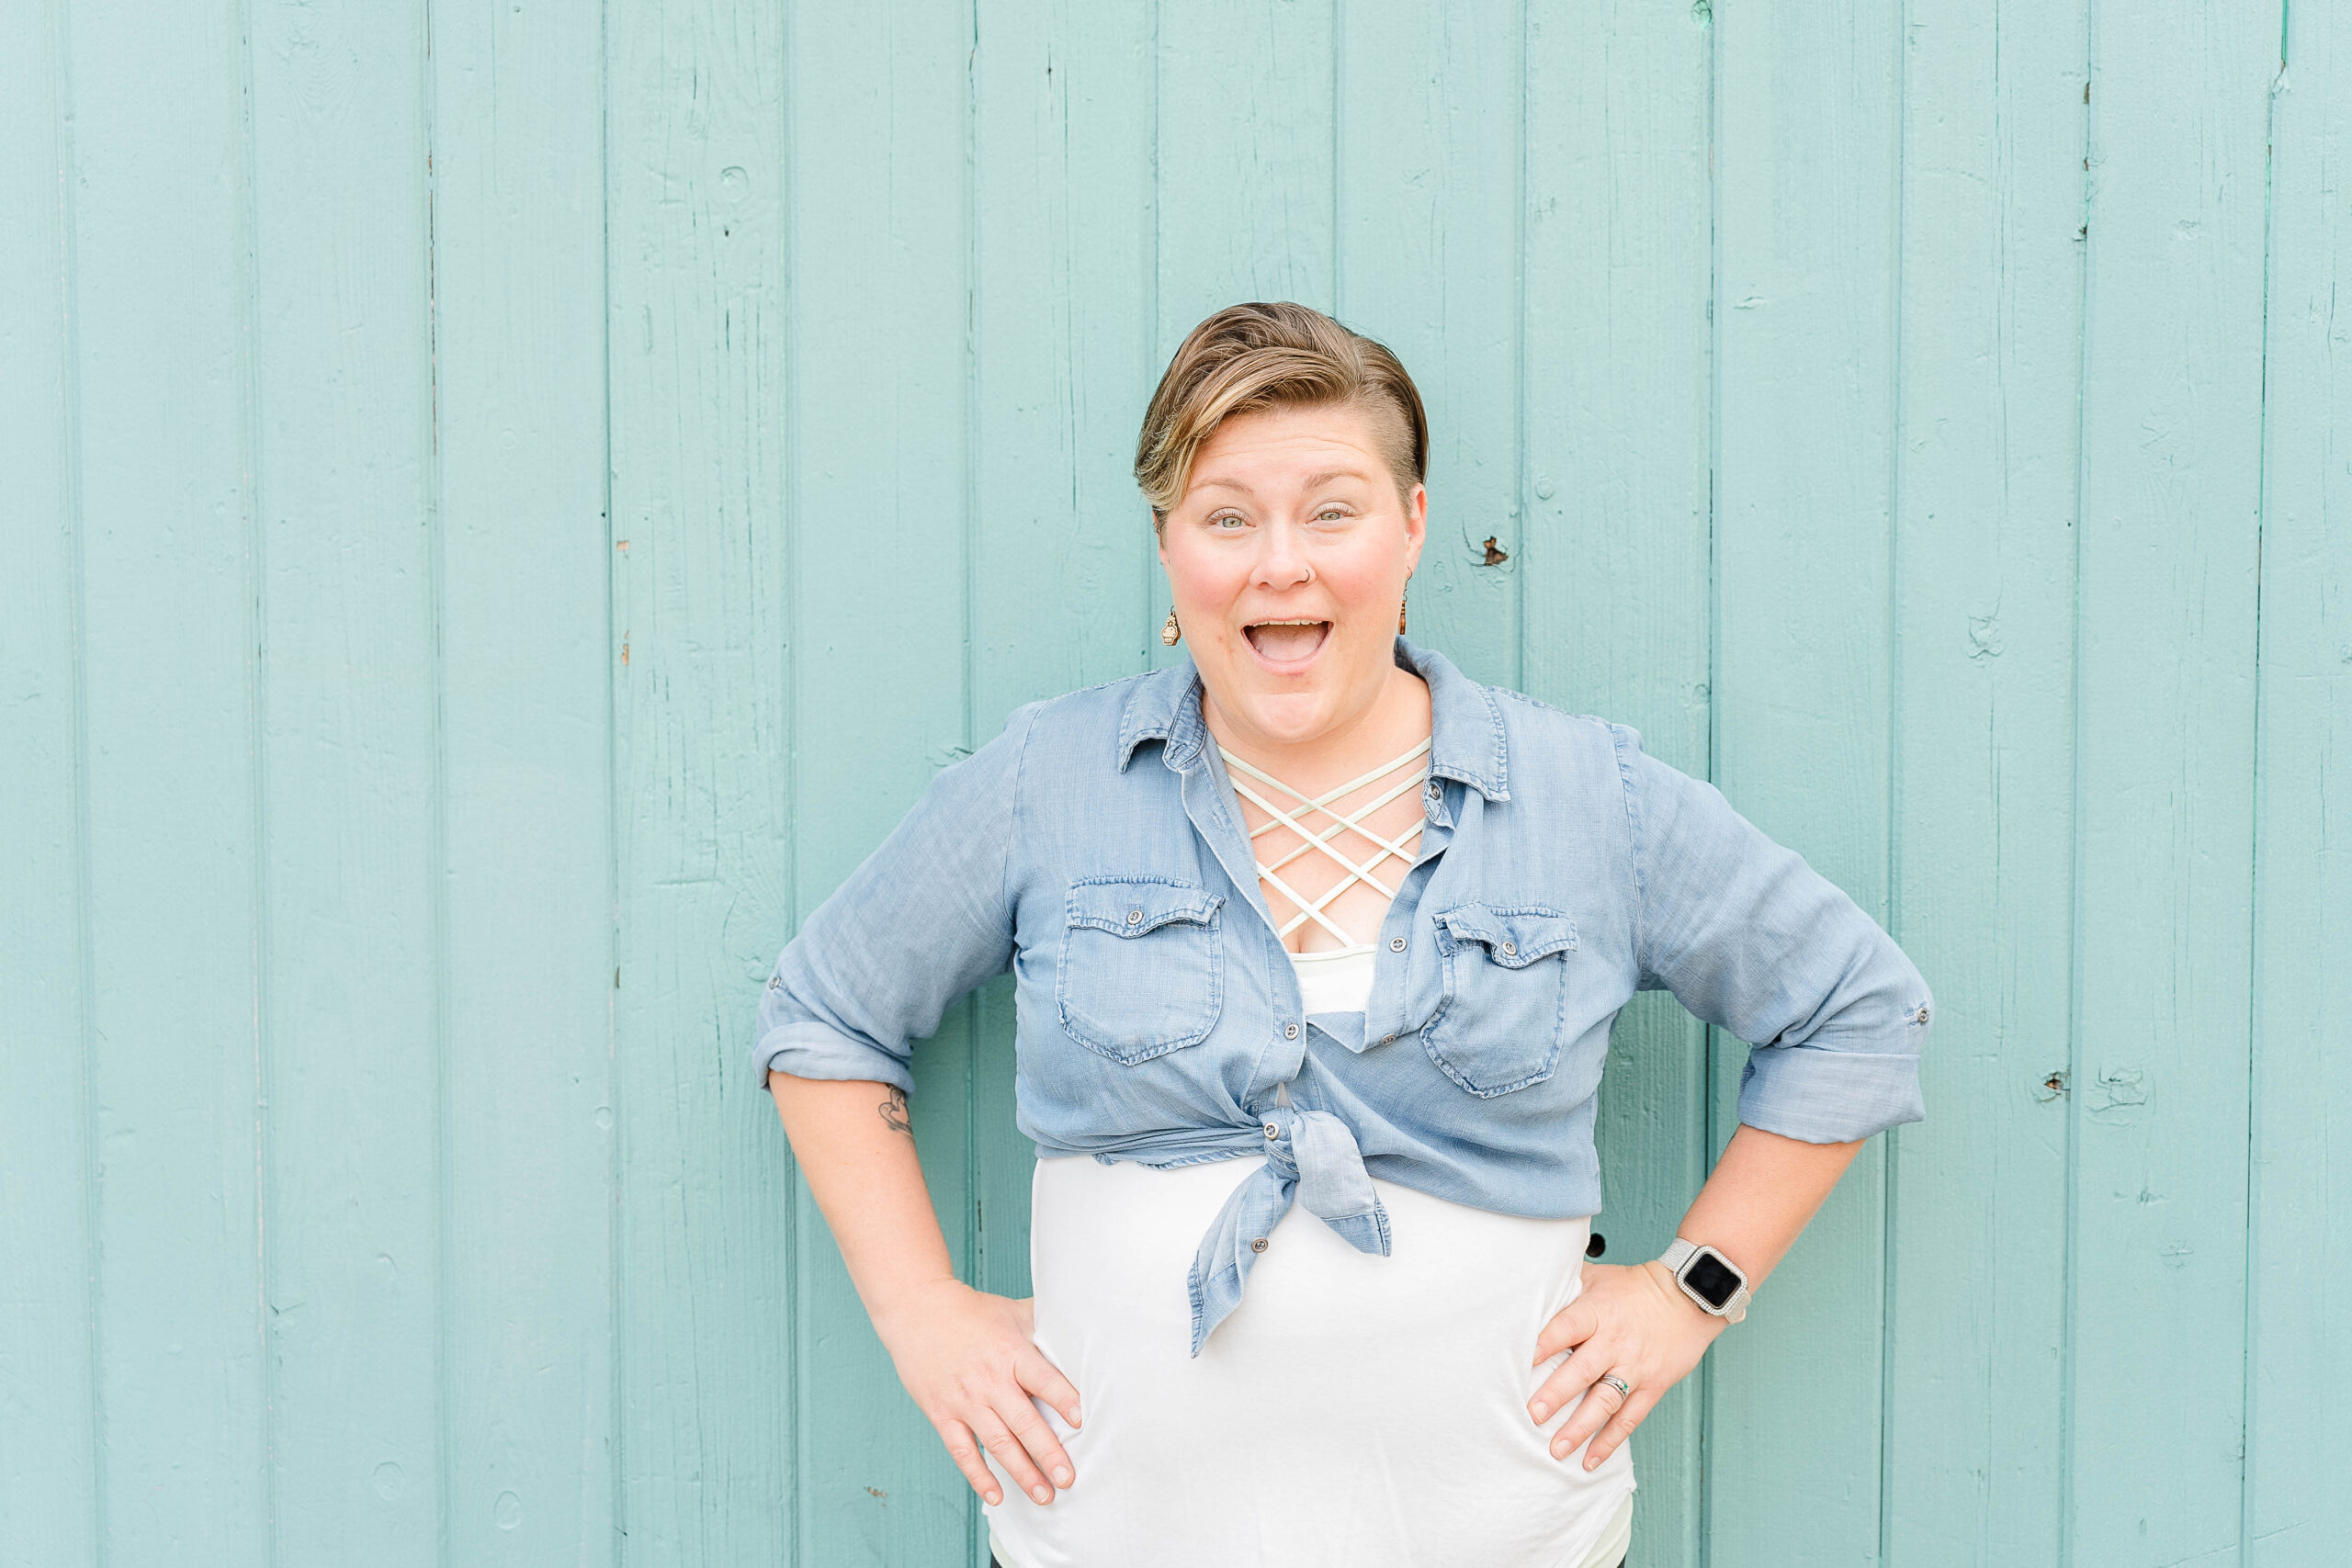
pixel 51 1477
pixel 1990 327
pixel 345 715
pixel 525 757
pixel 1805 141
pixel 1613 560
pixel 508 507
pixel 162 317
pixel 2299 1438
pixel 701 660
pixel 880 444
pixel 2166 600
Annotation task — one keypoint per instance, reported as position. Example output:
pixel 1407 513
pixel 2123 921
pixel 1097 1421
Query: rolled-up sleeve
pixel 923 920
pixel 1750 938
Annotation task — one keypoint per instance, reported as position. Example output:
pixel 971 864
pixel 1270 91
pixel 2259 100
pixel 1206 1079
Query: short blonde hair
pixel 1249 357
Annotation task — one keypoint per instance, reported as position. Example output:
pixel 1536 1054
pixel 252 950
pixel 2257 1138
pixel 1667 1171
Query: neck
pixel 1394 718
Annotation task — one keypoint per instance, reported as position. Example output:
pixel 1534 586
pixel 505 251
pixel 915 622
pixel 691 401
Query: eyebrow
pixel 1313 481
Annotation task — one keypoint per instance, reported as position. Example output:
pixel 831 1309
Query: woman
pixel 1317 946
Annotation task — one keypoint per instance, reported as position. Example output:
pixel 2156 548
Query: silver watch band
pixel 1677 1255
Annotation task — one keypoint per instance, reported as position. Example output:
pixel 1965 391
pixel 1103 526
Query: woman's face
pixel 1287 556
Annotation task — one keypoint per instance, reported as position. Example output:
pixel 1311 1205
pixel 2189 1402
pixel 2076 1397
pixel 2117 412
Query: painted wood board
pixel 2166 592
pixel 527 1153
pixel 1612 563
pixel 1806 123
pixel 1990 328
pixel 345 714
pixel 700 656
pixel 2299 1420
pixel 52 1506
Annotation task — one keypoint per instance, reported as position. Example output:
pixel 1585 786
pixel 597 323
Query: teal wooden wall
pixel 506 503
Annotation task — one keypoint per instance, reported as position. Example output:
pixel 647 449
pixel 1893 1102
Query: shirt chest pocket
pixel 1504 973
pixel 1141 972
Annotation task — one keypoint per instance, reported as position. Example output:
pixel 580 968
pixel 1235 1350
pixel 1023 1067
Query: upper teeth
pixel 1289 623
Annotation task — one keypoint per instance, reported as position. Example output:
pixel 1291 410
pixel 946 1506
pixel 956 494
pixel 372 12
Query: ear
pixel 1417 527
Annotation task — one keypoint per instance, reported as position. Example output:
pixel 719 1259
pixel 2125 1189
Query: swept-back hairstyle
pixel 1254 357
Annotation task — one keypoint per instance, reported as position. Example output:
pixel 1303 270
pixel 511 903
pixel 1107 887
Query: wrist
pixel 907 1304
pixel 1705 1277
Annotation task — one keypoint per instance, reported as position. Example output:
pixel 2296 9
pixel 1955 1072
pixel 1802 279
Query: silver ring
pixel 1625 1390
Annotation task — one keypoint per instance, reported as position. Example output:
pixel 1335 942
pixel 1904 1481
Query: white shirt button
pixel 1135 917
pixel 1395 945
pixel 1273 1130
pixel 1290 1031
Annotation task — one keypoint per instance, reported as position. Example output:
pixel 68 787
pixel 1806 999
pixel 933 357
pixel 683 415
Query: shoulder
pixel 1551 743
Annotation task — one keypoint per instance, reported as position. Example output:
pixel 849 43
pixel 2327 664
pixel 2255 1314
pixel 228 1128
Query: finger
pixel 1039 1441
pixel 1009 1455
pixel 1621 1426
pixel 1571 1325
pixel 1045 1380
pixel 1602 1401
pixel 965 1449
pixel 1569 1378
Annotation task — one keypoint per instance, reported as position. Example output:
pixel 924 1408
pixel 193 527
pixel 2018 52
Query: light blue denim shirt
pixel 1096 849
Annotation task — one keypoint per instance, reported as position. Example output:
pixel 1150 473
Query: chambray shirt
pixel 1095 848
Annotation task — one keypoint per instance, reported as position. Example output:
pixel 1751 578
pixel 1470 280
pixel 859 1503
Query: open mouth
pixel 1287 642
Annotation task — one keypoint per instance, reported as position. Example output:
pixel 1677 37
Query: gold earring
pixel 1169 632
pixel 1400 616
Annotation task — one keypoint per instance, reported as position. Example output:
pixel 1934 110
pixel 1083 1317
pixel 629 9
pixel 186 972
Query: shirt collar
pixel 1466 727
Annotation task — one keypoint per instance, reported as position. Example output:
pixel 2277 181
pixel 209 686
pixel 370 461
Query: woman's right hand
pixel 969 1360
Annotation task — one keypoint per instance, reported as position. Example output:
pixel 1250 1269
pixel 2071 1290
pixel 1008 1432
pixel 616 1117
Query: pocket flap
pixel 1515 936
pixel 1131 907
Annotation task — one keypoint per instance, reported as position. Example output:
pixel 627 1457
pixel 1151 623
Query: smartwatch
pixel 1708 1278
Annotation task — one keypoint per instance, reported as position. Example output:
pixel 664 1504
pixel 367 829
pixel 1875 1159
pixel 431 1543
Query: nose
pixel 1282 563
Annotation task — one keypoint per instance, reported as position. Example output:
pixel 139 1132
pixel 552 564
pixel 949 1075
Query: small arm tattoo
pixel 894 1112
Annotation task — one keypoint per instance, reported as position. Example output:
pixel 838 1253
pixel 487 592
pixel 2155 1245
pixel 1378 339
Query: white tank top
pixel 1355 1409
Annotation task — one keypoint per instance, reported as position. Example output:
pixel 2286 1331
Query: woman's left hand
pixel 1634 1320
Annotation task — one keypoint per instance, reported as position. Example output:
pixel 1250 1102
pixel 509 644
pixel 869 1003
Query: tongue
pixel 1286 644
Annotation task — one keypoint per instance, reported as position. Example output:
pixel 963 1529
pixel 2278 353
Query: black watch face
pixel 1712 1280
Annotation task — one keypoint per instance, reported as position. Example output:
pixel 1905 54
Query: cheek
pixel 1365 581
pixel 1204 578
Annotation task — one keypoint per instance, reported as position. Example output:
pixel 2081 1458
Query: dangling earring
pixel 1400 616
pixel 1169 632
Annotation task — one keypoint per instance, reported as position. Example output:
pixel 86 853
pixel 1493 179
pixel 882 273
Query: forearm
pixel 1762 1195
pixel 857 1154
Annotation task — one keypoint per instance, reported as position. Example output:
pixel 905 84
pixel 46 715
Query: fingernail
pixel 1061 1476
pixel 1541 1409
pixel 1073 1415
pixel 1591 1459
pixel 1042 1496
pixel 1559 1450
pixel 994 1498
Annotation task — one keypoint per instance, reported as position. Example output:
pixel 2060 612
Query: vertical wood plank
pixel 1991 326
pixel 879 241
pixel 521 557
pixel 2172 411
pixel 1805 135
pixel 1243 139
pixel 1613 557
pixel 2299 1444
pixel 1067 591
pixel 699 390
pixel 49 1471
pixel 343 360
pixel 163 248
pixel 1427 127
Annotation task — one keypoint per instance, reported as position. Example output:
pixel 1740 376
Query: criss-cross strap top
pixel 1401 847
